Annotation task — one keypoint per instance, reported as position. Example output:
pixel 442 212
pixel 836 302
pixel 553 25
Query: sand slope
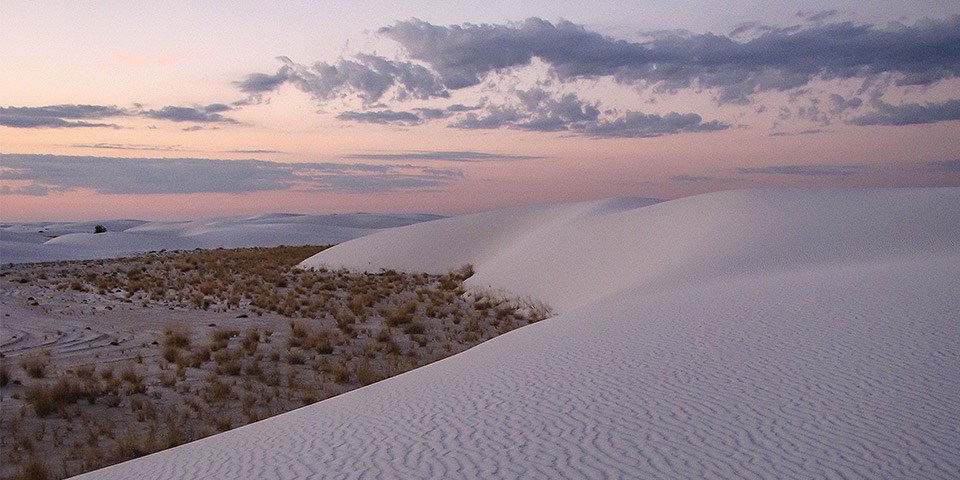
pixel 21 243
pixel 753 334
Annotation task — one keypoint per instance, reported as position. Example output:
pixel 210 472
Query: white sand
pixel 750 334
pixel 43 242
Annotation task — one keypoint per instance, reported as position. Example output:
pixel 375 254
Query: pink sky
pixel 81 89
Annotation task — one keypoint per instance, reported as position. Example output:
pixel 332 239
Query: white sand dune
pixel 75 241
pixel 748 334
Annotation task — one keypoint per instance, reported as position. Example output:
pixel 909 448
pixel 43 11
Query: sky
pixel 196 109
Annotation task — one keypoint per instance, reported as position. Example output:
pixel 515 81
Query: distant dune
pixel 745 334
pixel 39 242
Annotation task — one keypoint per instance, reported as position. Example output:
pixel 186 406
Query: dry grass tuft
pixel 36 366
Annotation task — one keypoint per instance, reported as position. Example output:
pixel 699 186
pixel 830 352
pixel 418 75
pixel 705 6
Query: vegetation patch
pixel 268 337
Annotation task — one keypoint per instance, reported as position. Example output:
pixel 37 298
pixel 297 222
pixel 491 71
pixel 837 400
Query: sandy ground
pixel 743 334
pixel 94 339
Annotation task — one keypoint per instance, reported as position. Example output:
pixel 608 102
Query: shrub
pixel 295 358
pixel 46 400
pixel 366 373
pixel 415 328
pixel 99 229
pixel 35 366
pixel 34 469
pixel 4 376
pixel 176 336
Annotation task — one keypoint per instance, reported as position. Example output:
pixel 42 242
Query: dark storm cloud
pixel 438 155
pixel 779 59
pixel 910 113
pixel 807 170
pixel 109 175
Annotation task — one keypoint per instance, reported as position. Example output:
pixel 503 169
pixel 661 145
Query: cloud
pixel 458 107
pixel 431 113
pixel 54 116
pixel 642 125
pixel 841 104
pixel 945 165
pixel 548 114
pixel 129 146
pixel 817 15
pixel 496 116
pixel 438 156
pixel 539 110
pixel 369 77
pixel 705 179
pixel 32 190
pixel 807 170
pixel 73 116
pixel 381 117
pixel 778 59
pixel 200 114
pixel 811 131
pixel 257 83
pixel 117 176
pixel 735 68
pixel 910 113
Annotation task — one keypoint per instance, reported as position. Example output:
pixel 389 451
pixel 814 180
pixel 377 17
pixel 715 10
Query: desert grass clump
pixel 176 336
pixel 36 366
pixel 34 469
pixel 366 373
pixel 4 375
pixel 400 314
pixel 296 358
pixel 198 357
pixel 133 380
pixel 415 328
pixel 49 399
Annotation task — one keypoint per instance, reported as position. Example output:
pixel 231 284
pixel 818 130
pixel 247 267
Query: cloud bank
pixel 77 116
pixel 445 156
pixel 780 59
pixel 807 170
pixel 734 68
pixel 58 116
pixel 910 113
pixel 367 76
pixel 117 176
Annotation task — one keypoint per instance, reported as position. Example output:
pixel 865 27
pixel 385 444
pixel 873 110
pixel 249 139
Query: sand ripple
pixel 838 372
